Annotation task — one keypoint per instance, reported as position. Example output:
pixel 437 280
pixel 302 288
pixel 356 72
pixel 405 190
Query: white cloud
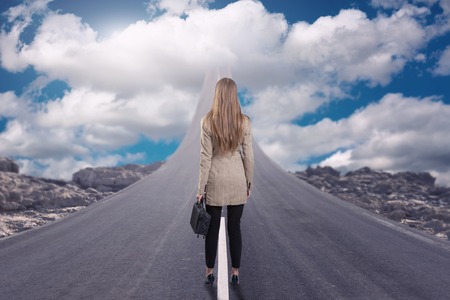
pixel 162 114
pixel 396 134
pixel 426 2
pixel 388 4
pixel 420 57
pixel 65 48
pixel 286 103
pixel 11 105
pixel 10 43
pixel 25 11
pixel 259 50
pixel 396 4
pixel 85 121
pixel 23 138
pixel 352 47
pixel 65 167
pixel 442 178
pixel 445 5
pixel 176 7
pixel 443 65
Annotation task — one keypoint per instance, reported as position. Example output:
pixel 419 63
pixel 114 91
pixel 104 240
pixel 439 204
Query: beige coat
pixel 227 176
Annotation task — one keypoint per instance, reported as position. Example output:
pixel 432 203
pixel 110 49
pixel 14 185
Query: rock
pixel 15 196
pixel 27 202
pixel 396 215
pixel 112 179
pixel 407 197
pixel 8 165
pixel 438 216
pixel 14 221
pixel 35 199
pixel 26 192
pixel 382 188
pixel 362 171
pixel 9 205
pixel 436 225
pixel 322 171
pixel 419 178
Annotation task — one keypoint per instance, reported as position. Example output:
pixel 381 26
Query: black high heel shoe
pixel 209 279
pixel 234 280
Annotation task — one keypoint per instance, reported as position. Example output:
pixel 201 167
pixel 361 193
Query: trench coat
pixel 229 175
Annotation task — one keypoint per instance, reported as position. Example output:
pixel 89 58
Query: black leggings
pixel 234 214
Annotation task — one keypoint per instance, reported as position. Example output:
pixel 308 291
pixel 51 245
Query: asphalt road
pixel 298 243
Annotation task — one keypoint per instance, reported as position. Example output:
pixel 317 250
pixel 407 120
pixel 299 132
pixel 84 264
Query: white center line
pixel 222 272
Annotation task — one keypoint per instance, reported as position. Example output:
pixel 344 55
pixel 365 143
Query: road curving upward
pixel 298 243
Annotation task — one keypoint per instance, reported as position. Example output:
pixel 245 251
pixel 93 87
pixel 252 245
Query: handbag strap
pixel 203 203
pixel 204 197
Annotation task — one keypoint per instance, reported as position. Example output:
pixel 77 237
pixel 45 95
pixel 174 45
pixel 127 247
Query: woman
pixel 226 167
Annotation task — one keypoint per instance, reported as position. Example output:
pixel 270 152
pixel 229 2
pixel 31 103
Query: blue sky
pixel 341 83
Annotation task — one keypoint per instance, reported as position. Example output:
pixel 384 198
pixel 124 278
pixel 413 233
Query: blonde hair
pixel 225 118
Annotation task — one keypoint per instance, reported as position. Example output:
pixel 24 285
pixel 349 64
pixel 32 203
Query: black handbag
pixel 200 218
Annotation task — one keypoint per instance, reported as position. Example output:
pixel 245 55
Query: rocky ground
pixel 27 202
pixel 410 198
pixel 112 179
pixel 15 221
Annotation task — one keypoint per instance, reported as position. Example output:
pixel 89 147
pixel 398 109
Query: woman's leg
pixel 234 214
pixel 212 236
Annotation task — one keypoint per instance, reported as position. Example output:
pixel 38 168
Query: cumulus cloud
pixel 442 21
pixel 388 4
pixel 152 114
pixel 65 48
pixel 84 121
pixel 145 80
pixel 286 103
pixel 443 65
pixel 352 47
pixel 65 167
pixel 21 17
pixel 25 11
pixel 175 7
pixel 396 134
pixel 445 5
pixel 348 46
pixel 396 4
pixel 11 106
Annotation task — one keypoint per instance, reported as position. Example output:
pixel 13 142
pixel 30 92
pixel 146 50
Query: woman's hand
pixel 248 193
pixel 199 197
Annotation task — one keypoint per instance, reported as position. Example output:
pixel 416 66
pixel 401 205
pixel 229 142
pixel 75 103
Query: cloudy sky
pixel 341 83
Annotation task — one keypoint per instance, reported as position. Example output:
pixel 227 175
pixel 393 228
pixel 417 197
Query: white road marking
pixel 222 272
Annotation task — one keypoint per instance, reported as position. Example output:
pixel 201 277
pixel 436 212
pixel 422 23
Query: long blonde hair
pixel 225 117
